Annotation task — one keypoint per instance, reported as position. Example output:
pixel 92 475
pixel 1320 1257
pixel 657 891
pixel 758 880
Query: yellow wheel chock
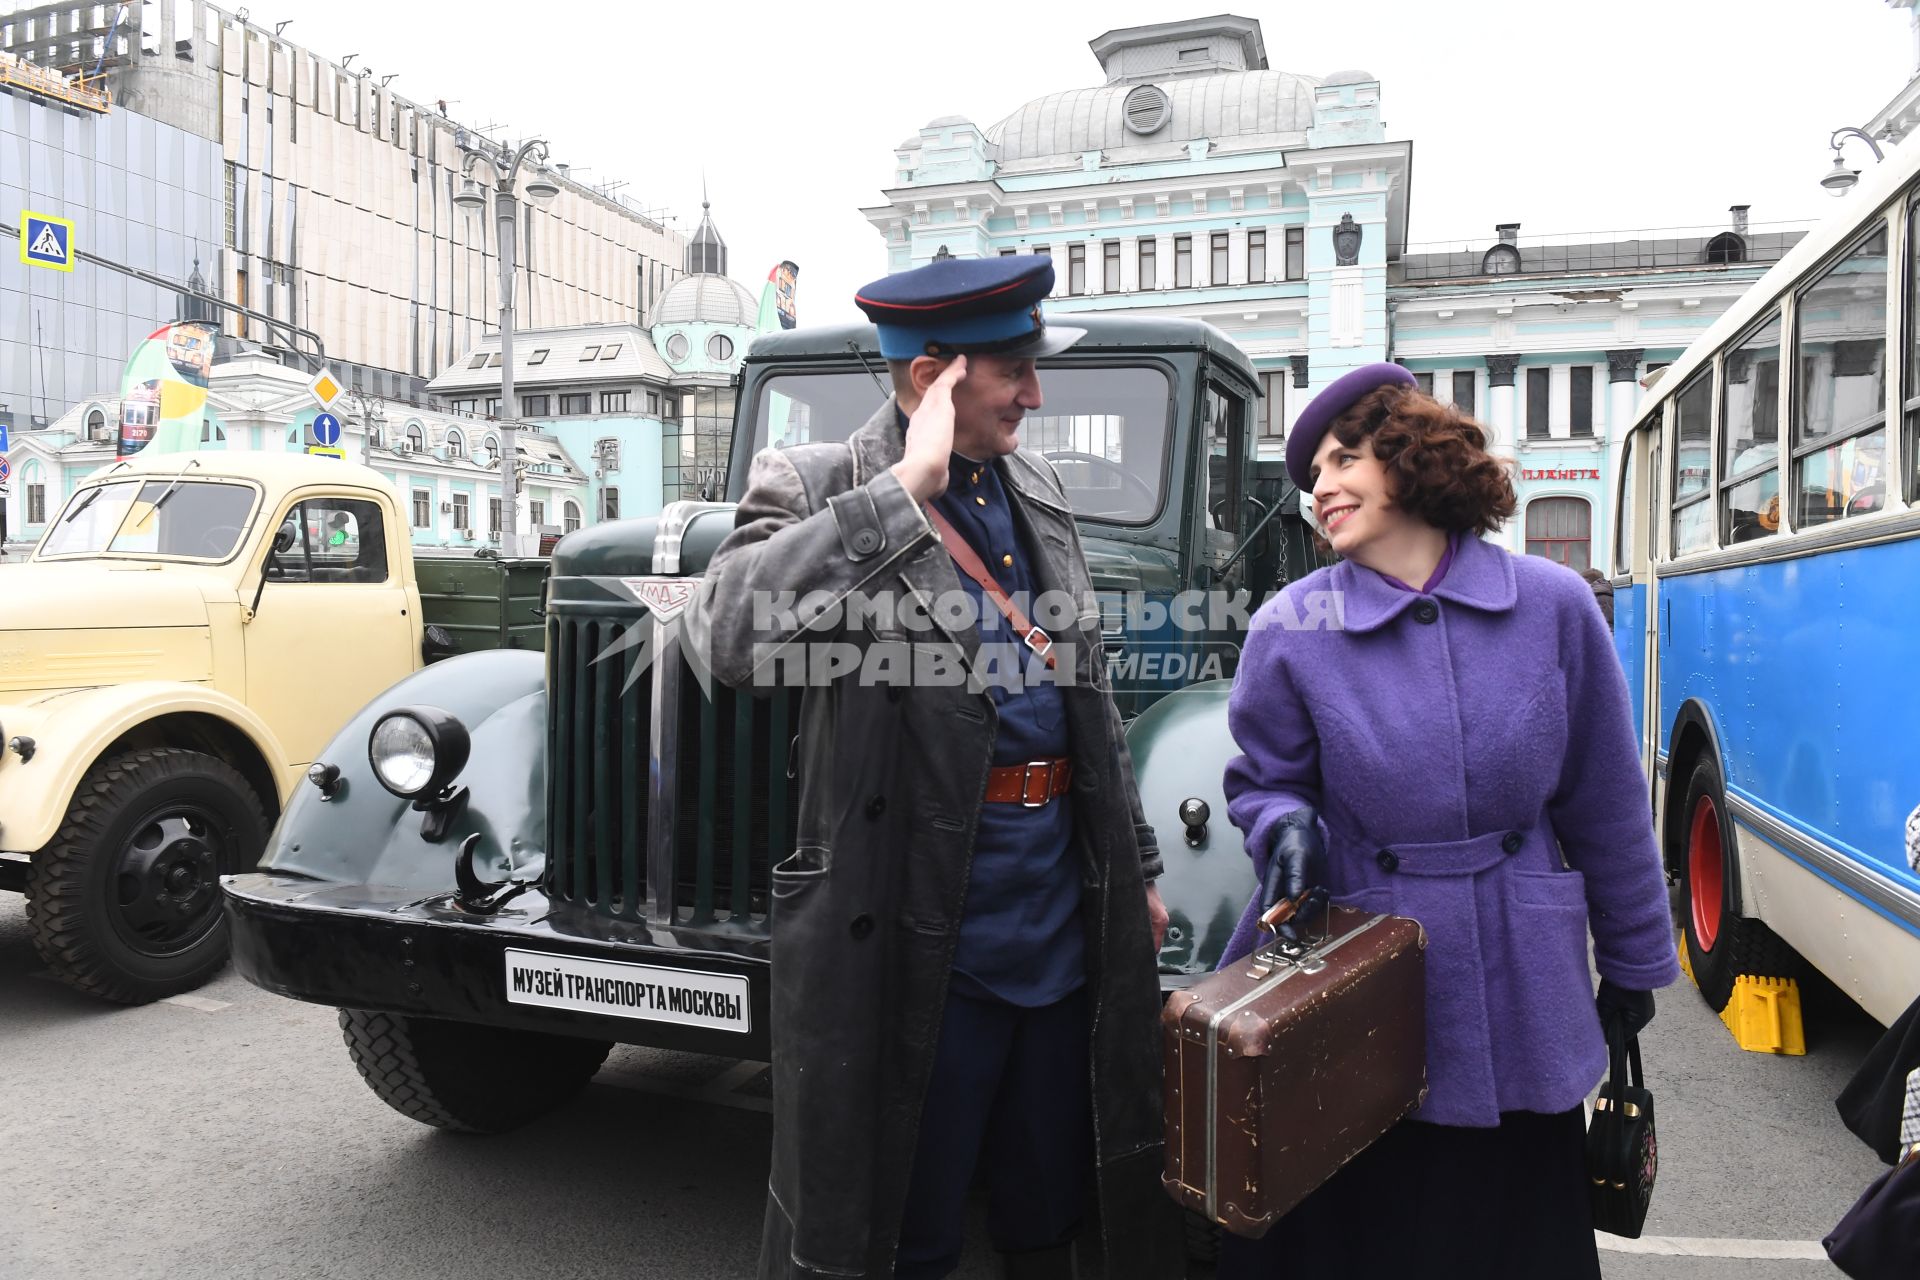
pixel 1763 1013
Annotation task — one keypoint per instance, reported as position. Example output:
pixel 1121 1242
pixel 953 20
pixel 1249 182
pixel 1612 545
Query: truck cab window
pixel 1103 427
pixel 1226 439
pixel 330 540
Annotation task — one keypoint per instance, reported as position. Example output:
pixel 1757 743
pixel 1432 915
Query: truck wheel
pixel 466 1077
pixel 124 903
pixel 1721 944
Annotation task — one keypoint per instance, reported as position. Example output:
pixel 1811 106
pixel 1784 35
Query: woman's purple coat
pixel 1457 744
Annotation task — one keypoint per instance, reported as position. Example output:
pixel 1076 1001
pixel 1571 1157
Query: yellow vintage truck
pixel 189 633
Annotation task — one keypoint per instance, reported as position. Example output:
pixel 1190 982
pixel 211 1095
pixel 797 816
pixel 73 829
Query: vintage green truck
pixel 507 864
pixel 190 631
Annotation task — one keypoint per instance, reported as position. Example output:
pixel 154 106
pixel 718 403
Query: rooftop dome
pixel 706 299
pixel 1350 77
pixel 1217 106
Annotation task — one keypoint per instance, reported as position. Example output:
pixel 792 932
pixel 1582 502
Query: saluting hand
pixel 930 437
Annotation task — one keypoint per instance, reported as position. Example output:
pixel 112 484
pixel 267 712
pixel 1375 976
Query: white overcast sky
pixel 1562 117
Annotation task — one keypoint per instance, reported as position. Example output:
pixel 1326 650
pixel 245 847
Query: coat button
pixel 1426 611
pixel 1513 841
pixel 876 806
pixel 1389 861
pixel 866 542
pixel 861 927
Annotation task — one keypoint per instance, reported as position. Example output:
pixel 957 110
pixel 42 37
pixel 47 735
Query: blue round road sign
pixel 326 429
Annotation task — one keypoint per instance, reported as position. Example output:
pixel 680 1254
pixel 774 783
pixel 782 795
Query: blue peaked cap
pixel 966 306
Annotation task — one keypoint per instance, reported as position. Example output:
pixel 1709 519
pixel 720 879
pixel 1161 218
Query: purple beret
pixel 1339 396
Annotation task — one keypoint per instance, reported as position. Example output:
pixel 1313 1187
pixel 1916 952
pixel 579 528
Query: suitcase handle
pixel 1277 951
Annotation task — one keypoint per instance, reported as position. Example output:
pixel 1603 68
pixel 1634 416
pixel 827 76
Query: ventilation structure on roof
pixel 1147 109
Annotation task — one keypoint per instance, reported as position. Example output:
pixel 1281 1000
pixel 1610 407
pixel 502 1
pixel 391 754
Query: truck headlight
pixel 417 751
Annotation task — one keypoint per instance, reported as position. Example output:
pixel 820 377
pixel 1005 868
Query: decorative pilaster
pixel 1501 369
pixel 1300 372
pixel 1624 366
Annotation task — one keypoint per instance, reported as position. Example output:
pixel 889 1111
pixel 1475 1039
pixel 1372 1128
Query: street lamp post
pixel 1840 179
pixel 502 170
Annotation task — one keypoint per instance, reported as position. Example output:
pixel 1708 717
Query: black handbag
pixel 1622 1155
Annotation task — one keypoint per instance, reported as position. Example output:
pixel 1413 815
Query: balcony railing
pixel 1583 252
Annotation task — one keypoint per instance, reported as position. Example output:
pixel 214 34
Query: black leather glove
pixel 1297 865
pixel 1632 1010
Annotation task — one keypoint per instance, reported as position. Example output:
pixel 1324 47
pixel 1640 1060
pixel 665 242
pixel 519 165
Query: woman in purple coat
pixel 1437 728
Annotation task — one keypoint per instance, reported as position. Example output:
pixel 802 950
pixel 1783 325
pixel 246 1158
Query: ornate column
pixel 1500 403
pixel 1500 422
pixel 1623 396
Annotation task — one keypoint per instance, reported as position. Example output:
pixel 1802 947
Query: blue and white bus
pixel 1766 574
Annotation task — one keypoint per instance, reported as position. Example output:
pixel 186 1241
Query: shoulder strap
pixel 968 562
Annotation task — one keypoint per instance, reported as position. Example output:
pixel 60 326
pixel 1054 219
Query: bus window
pixel 1750 437
pixel 1912 392
pixel 1693 466
pixel 1840 433
pixel 1624 511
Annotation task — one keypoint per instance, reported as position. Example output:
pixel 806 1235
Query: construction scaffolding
pixel 82 92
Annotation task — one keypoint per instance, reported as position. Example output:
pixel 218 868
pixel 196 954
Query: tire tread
pixel 424 1069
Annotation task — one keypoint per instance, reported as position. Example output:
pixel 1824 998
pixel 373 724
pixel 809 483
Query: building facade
pixel 443 464
pixel 1196 180
pixel 647 411
pixel 332 195
pixel 138 190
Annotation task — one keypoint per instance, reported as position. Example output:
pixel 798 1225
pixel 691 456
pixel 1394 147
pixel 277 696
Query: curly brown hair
pixel 1435 457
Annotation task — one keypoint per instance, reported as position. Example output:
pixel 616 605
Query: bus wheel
pixel 1721 943
pixel 465 1077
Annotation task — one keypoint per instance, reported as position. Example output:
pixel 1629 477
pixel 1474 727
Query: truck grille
pixel 598 727
pixel 663 805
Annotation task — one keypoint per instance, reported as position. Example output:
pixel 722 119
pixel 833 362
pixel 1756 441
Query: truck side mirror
pixel 284 538
pixel 436 642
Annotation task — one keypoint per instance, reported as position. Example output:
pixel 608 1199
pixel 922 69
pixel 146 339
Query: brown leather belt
pixel 1031 784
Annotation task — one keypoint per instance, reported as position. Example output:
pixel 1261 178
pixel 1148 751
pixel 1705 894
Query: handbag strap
pixel 1623 1069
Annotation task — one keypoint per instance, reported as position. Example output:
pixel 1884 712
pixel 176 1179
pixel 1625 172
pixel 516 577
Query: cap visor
pixel 1051 340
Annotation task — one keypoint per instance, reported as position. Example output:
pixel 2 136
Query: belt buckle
pixel 1041 643
pixel 1026 785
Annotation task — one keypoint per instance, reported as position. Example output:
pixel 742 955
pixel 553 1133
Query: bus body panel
pixel 1805 670
pixel 1629 642
pixel 1868 954
pixel 1802 669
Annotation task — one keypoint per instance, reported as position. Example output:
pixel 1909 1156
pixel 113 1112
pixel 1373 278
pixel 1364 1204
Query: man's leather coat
pixel 866 911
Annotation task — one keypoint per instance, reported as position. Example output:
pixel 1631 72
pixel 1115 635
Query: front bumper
pixel 393 949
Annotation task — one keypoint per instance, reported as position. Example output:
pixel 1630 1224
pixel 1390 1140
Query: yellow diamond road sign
pixel 326 388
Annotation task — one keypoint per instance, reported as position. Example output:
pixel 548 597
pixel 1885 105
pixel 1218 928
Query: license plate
pixel 617 989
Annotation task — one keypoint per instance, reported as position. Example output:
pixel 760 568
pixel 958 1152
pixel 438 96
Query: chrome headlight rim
pixel 447 746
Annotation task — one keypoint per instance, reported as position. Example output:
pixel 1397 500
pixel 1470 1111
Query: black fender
pixel 364 834
pixel 1180 748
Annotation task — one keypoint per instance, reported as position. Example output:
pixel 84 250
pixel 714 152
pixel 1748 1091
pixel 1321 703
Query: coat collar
pixel 1481 577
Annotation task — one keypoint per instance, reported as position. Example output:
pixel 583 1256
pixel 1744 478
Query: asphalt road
pixel 226 1134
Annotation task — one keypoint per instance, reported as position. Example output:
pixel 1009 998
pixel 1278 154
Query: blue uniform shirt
pixel 1020 939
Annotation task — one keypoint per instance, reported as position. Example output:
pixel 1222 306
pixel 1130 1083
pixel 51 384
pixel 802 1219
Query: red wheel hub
pixel 1706 872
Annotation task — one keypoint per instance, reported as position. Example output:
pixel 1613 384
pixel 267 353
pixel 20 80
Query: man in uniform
pixel 964 941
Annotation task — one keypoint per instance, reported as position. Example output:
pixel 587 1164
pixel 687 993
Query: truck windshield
pixel 202 520
pixel 1104 428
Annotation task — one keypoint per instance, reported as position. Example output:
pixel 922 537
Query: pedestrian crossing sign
pixel 46 241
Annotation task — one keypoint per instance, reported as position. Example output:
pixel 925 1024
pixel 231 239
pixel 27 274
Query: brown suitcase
pixel 1281 1069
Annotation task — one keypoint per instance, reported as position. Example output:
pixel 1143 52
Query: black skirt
pixel 1508 1203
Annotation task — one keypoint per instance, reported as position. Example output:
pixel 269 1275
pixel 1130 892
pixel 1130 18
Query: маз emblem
pixel 666 598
